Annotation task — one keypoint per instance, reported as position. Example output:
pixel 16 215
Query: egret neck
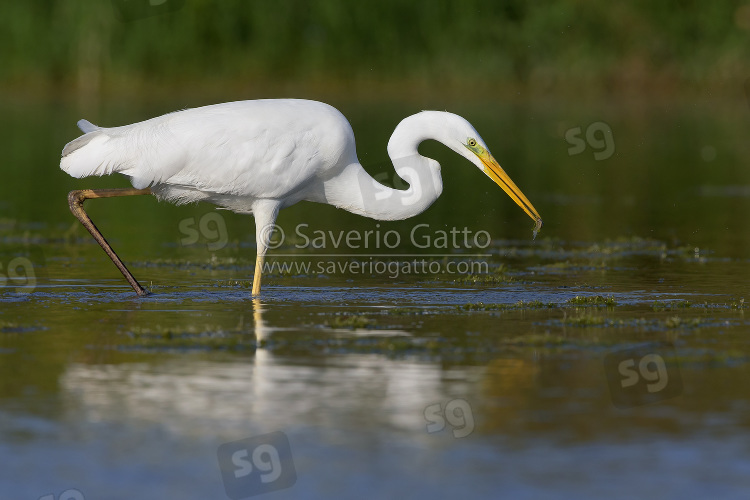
pixel 375 200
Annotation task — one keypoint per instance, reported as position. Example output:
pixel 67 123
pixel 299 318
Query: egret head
pixel 459 135
pixel 470 145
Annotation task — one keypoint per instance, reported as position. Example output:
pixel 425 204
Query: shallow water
pixel 105 395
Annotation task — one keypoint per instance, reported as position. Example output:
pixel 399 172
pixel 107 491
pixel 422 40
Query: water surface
pixel 120 397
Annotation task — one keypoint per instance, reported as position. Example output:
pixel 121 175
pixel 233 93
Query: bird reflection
pixel 261 330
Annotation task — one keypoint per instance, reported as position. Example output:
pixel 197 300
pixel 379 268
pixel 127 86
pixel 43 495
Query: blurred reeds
pixel 467 44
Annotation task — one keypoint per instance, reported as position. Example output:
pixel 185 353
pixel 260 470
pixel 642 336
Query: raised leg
pixel 76 199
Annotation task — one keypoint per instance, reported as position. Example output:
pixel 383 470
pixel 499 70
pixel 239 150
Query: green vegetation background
pixel 467 44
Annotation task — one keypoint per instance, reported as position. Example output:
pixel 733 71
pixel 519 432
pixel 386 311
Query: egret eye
pixel 472 143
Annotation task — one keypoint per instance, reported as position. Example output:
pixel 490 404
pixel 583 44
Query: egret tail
pixel 86 126
pixel 90 154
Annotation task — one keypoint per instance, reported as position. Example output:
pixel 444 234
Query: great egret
pixel 260 156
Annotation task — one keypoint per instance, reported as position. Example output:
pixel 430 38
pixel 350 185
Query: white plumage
pixel 260 156
pixel 251 149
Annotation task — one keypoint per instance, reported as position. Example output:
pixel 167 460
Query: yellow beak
pixel 495 172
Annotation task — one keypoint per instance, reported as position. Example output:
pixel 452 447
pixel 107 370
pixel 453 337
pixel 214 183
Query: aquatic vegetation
pixel 497 274
pixel 738 304
pixel 207 337
pixel 484 279
pixel 585 320
pixel 246 283
pixel 595 300
pixel 350 321
pixel 659 306
pixel 671 322
pixel 479 306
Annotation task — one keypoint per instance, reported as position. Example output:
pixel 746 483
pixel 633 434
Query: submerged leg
pixel 76 199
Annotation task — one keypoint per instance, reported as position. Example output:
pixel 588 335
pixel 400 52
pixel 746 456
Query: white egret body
pixel 261 156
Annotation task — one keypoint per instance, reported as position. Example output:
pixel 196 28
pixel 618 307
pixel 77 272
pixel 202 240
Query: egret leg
pixel 258 273
pixel 265 212
pixel 75 201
